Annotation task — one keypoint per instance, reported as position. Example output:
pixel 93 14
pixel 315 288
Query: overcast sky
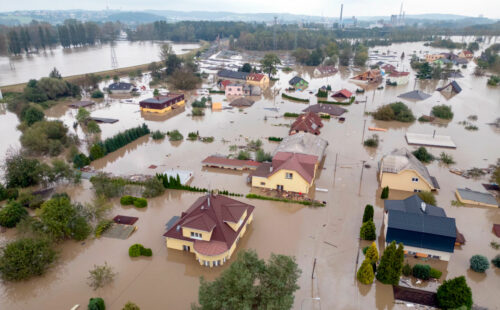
pixel 330 8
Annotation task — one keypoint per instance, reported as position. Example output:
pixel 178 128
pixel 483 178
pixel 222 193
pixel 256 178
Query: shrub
pixel 153 188
pixel 140 203
pixel 288 114
pixel 496 261
pixel 427 197
pixel 371 142
pixel 479 263
pixel 262 156
pixel 11 214
pixel 365 273
pixel 96 304
pixel 407 270
pixel 102 226
pixel 395 111
pixel 368 213
pixel 275 139
pixel 197 112
pixel 367 231
pixel 193 136
pixel 32 114
pixel 100 276
pixel 442 111
pixel 25 258
pixel 158 135
pixel 131 306
pixel 45 138
pixel 446 158
pixel 421 271
pixel 80 160
pixel 97 94
pixel 243 155
pixel 372 253
pixel 391 264
pixel 454 293
pixel 127 200
pixel 146 252
pixel 135 250
pixel 435 274
pixel 175 135
pixel 385 193
pixel 422 155
pixel 365 249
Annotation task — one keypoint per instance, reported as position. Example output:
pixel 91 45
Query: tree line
pixel 38 36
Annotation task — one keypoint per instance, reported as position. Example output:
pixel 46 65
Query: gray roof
pixel 413 205
pixel 237 75
pixel 241 102
pixel 469 194
pixel 120 86
pixel 402 159
pixel 454 86
pixel 326 108
pixel 303 143
pixel 415 95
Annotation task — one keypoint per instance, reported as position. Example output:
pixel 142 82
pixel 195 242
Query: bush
pixel 193 136
pixel 100 276
pixel 428 198
pixel 496 261
pixel 146 252
pixel 367 231
pixel 262 156
pixel 25 258
pixel 102 226
pixel 97 94
pixel 175 135
pixel 368 213
pixel 153 188
pixel 288 114
pixel 371 142
pixel 435 274
pixel 395 111
pixel 96 304
pixel 127 200
pixel 80 161
pixel 11 214
pixel 243 155
pixel 454 293
pixel 446 158
pixel 422 155
pixel 422 271
pixel 442 111
pixel 197 112
pixel 135 250
pixel 140 203
pixel 365 273
pixel 31 115
pixel 45 138
pixel 275 139
pixel 158 135
pixel 385 193
pixel 131 306
pixel 407 270
pixel 479 263
pixel 372 253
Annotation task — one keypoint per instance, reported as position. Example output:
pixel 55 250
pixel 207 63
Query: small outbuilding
pixel 242 102
pixel 298 82
pixel 343 93
pixel 470 197
pixel 120 88
pixel 416 95
pixel 451 87
pixel 325 108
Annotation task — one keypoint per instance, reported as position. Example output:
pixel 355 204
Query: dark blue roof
pixel 237 75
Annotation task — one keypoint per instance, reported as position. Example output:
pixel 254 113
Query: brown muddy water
pixel 170 279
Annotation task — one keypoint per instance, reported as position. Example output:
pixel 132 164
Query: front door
pixel 279 187
pixel 186 248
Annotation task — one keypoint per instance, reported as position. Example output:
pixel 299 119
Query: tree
pixel 83 115
pixel 32 114
pixel 269 63
pixel 173 63
pixel 365 273
pixel 25 258
pixel 422 155
pixel 427 197
pixel 96 303
pixel 131 306
pixel 454 293
pixel 96 94
pixel 165 51
pixel 391 264
pixel 372 253
pixel 442 111
pixel 420 271
pixel 246 67
pixel 361 55
pixel 368 213
pixel 11 214
pixel 100 276
pixel 425 71
pixel 345 56
pixel 496 261
pixel 93 127
pixel 21 171
pixel 55 74
pixel 367 231
pixel 184 79
pixel 250 282
pixel 479 263
pixel 156 92
pixel 407 270
pixel 385 193
pixel 45 138
pixel 153 188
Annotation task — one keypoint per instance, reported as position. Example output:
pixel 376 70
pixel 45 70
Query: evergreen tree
pixel 368 231
pixel 365 273
pixel 391 264
pixel 454 293
pixel 372 253
pixel 368 214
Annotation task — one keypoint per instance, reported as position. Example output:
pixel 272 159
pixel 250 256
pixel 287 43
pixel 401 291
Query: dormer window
pixel 195 235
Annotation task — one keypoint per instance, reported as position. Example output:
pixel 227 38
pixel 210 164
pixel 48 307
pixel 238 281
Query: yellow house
pixel 433 57
pixel 401 170
pixel 258 79
pixel 210 228
pixel 162 104
pixel 291 172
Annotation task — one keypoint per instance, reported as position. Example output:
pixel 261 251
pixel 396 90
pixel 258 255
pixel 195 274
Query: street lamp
pixel 312 298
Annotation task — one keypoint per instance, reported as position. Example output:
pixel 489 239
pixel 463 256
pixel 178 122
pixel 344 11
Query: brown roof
pixel 223 161
pixel 397 74
pixel 388 68
pixel 343 93
pixel 373 74
pixel 212 212
pixel 308 122
pixel 255 77
pixel 301 163
pixel 496 230
pixel 262 171
pixel 126 220
pixel 326 108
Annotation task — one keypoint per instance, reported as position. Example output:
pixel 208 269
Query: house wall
pixel 297 184
pixel 445 256
pixel 472 202
pixel 164 110
pixel 205 235
pixel 403 181
pixel 234 90
pixel 263 83
pixel 121 91
pixel 400 80
pixel 177 244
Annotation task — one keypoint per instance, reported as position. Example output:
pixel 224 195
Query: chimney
pixel 271 169
pixel 178 228
pixel 423 206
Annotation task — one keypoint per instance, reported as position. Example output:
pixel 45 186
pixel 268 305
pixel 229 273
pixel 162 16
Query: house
pixel 298 82
pixel 423 229
pixel 234 90
pixel 324 71
pixel 368 77
pixel 308 122
pixel 415 95
pixel 229 163
pixel 242 102
pixel 466 54
pixel 470 197
pixel 400 78
pixel 162 104
pixel 223 84
pixel 388 68
pixel 289 172
pixel 325 109
pixel 451 87
pixel 343 94
pixel 258 79
pixel 303 143
pixel 235 76
pixel 210 228
pixel 460 61
pixel 433 57
pixel 252 90
pixel 120 88
pixel 401 170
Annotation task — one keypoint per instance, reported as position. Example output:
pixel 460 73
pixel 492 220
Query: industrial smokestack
pixel 341 11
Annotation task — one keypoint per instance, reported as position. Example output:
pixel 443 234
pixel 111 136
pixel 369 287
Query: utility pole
pixel 361 177
pixel 335 169
pixel 363 135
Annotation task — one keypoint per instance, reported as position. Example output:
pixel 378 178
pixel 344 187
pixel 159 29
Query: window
pixel 416 191
pixel 196 235
pixel 186 248
pixel 414 179
pixel 262 183
pixel 289 175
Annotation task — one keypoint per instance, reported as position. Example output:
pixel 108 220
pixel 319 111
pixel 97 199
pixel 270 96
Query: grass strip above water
pixel 305 203
pixel 294 98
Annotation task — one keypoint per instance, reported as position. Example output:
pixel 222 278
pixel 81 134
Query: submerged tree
pixel 100 276
pixel 269 63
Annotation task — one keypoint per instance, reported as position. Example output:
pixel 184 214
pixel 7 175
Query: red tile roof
pixel 225 83
pixel 308 122
pixel 257 77
pixel 388 68
pixel 398 74
pixel 343 93
pixel 301 163
pixel 212 211
pixel 223 161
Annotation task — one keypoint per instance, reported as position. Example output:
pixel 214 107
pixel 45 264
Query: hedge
pixel 422 271
pixel 305 203
pixel 175 183
pixel 338 102
pixel 289 114
pixel 136 201
pixel 127 200
pixel 294 98
pixel 275 139
pixel 216 92
pixel 140 203
pixel 138 249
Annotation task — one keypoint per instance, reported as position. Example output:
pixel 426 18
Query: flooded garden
pixel 324 240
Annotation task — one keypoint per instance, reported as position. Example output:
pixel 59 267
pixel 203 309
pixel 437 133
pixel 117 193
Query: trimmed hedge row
pixel 338 102
pixel 138 249
pixel 285 96
pixel 136 201
pixel 305 203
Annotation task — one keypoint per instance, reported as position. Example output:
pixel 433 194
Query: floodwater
pixel 81 60
pixel 328 235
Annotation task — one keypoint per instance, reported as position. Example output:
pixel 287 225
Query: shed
pixel 451 87
pixel 298 82
pixel 416 95
pixel 468 196
pixel 242 102
pixel 343 93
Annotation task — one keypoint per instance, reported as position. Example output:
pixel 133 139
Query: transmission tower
pixel 114 60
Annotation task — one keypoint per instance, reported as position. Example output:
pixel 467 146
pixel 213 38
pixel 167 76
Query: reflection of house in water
pixel 368 77
pixel 162 104
pixel 210 228
pixel 424 229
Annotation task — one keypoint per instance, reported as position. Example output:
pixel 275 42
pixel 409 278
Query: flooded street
pixel 170 279
pixel 80 60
